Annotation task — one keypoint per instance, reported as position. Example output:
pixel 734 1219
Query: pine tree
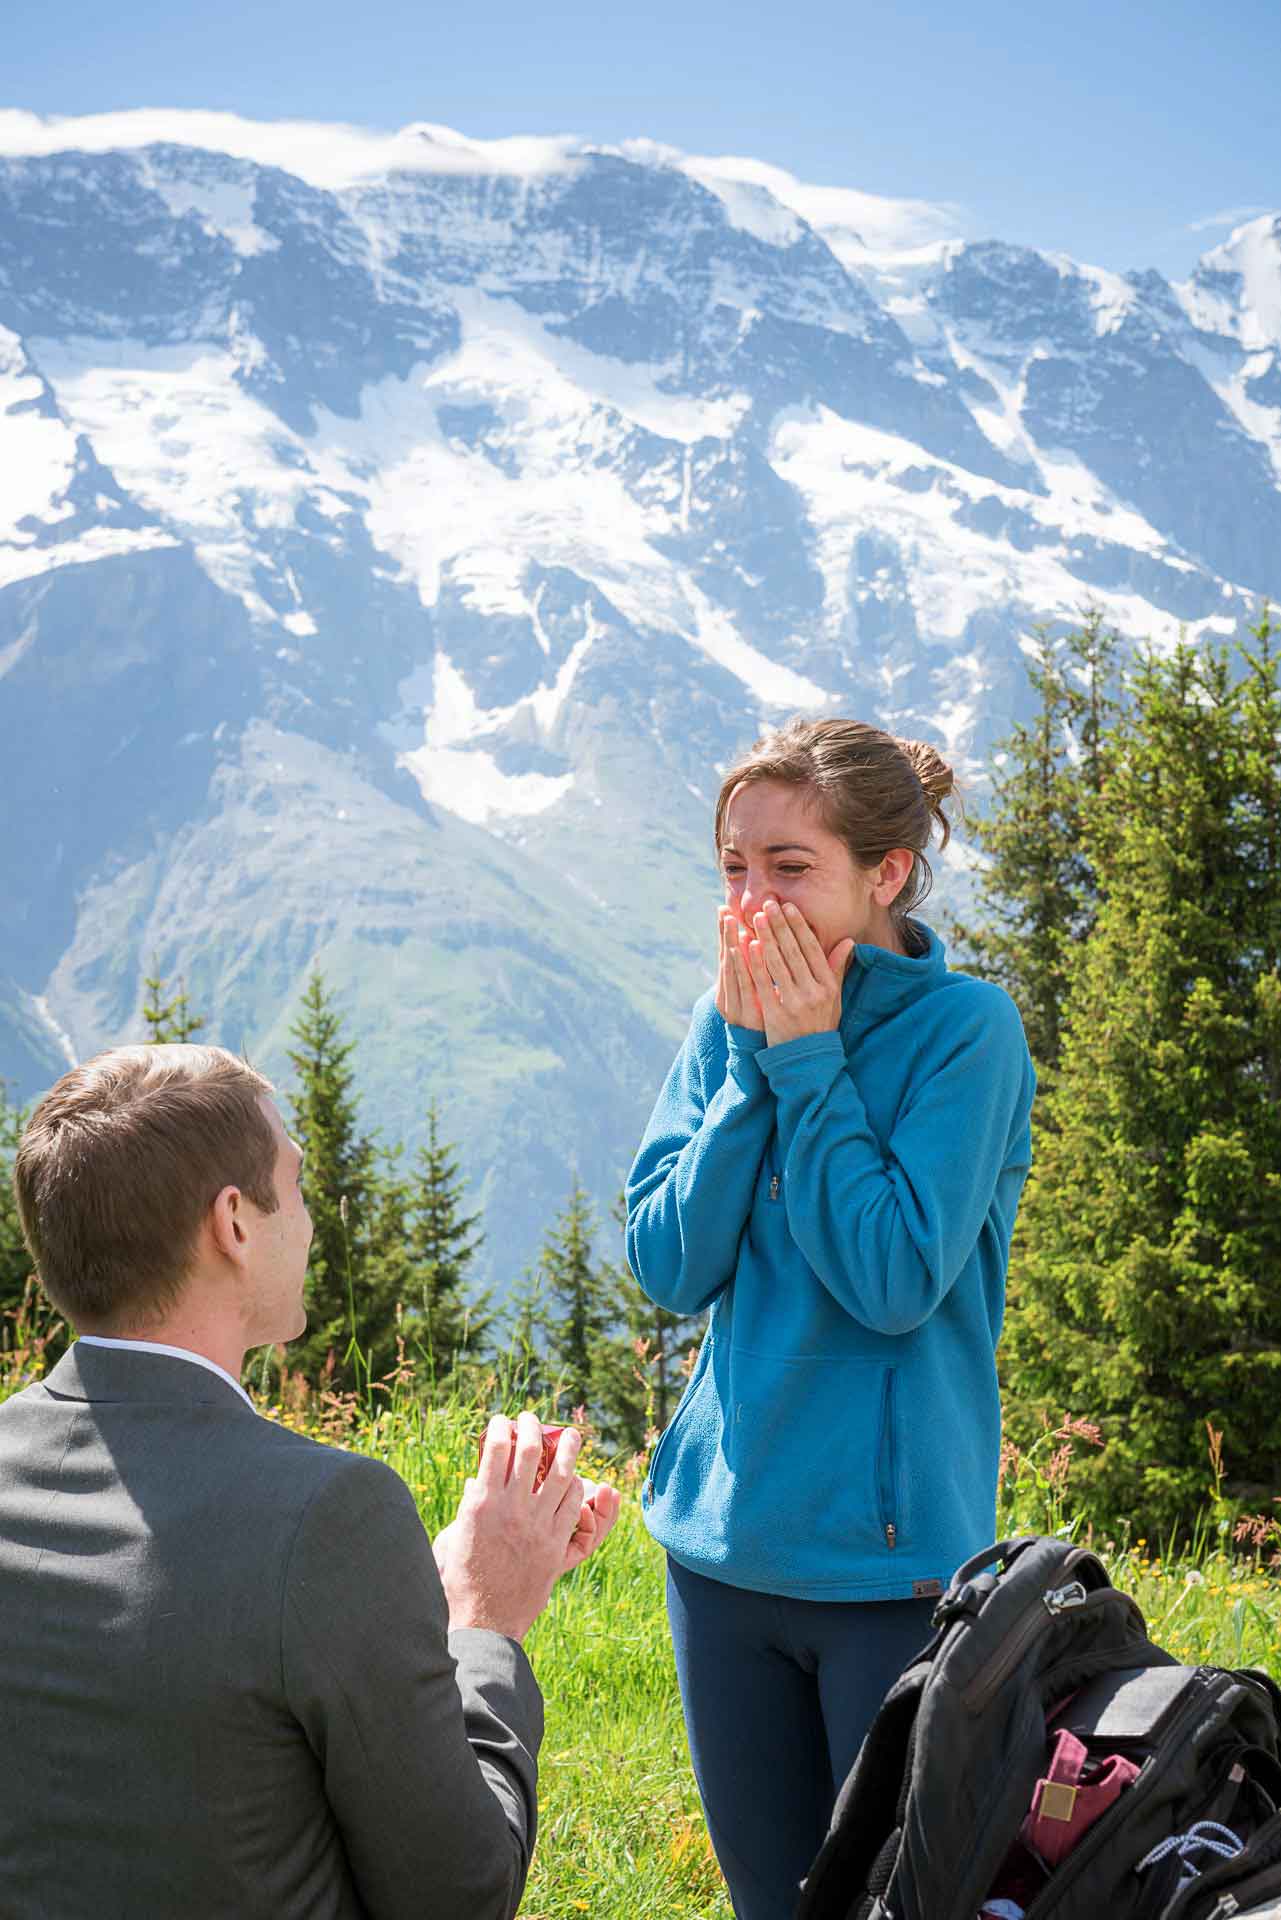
pixel 1037 896
pixel 672 1340
pixel 168 1020
pixel 386 1269
pixel 351 1296
pixel 33 1334
pixel 577 1318
pixel 441 1245
pixel 1145 1283
pixel 15 1261
pixel 595 1331
pixel 526 1362
pixel 623 1385
pixel 642 1371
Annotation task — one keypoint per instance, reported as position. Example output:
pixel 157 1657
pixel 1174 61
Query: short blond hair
pixel 119 1164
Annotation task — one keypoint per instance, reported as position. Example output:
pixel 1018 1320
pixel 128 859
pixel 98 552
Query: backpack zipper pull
pixel 1059 1599
pixel 891 1535
pixel 773 1187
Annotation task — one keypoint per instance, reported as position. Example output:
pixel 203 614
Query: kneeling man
pixel 236 1683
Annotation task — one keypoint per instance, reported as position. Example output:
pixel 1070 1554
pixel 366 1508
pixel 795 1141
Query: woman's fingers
pixel 784 931
pixel 742 972
pixel 751 1013
pixel 727 985
pixel 791 974
pixel 737 1000
pixel 723 987
pixel 785 968
pixel 797 929
pixel 758 967
pixel 839 958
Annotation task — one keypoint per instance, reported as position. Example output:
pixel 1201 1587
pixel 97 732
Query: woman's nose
pixel 751 899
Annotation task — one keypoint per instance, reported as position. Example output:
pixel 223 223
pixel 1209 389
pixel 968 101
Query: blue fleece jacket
pixel 843 1203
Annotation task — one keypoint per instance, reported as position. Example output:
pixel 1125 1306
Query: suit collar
pixel 116 1373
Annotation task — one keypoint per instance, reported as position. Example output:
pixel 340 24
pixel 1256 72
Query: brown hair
pixel 119 1164
pixel 876 792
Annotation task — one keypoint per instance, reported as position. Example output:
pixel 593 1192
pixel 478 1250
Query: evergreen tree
pixel 33 1335
pixel 598 1333
pixel 386 1268
pixel 577 1316
pixel 351 1293
pixel 1037 896
pixel 441 1244
pixel 642 1374
pixel 168 1020
pixel 526 1363
pixel 1145 1283
pixel 672 1340
pixel 15 1261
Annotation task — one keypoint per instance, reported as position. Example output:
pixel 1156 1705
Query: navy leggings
pixel 778 1695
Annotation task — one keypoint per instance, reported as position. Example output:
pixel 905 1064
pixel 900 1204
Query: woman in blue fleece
pixel 832 1167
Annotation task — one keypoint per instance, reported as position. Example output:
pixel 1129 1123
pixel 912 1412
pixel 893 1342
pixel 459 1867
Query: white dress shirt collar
pixel 174 1353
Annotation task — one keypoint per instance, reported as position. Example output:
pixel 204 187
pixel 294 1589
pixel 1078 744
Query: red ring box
pixel 551 1437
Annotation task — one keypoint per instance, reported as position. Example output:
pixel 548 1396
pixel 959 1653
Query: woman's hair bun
pixel 935 776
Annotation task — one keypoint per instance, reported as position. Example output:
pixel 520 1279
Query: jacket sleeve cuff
pixel 744 1048
pixel 750 1040
pixel 790 1061
pixel 495 1669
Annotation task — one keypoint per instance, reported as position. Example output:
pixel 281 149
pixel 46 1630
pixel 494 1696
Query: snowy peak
pixel 764 199
pixel 1236 288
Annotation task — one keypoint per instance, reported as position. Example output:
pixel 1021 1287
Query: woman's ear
pixel 892 875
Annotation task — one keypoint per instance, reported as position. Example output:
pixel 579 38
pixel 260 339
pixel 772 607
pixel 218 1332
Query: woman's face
pixel 774 846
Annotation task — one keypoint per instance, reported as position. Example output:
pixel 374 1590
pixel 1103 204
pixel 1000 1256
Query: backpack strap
pixel 1002 1555
pixel 866 1828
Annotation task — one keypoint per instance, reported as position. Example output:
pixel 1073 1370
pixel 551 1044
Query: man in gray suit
pixel 236 1681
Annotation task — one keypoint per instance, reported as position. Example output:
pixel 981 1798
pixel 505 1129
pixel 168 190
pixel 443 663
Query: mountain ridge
pixel 392 547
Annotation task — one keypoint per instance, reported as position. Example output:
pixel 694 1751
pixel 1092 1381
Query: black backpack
pixel 929 1818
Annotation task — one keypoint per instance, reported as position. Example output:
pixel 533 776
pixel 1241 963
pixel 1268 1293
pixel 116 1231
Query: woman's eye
pixel 792 872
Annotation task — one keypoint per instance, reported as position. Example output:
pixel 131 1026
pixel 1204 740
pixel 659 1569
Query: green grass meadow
pixel 621 1836
pixel 621 1833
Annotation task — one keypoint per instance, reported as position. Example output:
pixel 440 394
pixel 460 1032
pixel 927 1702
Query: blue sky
pixel 1109 130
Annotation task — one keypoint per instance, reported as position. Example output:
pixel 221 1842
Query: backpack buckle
pixel 1060 1599
pixel 961 1604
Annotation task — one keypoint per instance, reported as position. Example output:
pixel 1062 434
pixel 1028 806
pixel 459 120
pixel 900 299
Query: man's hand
pixel 601 1507
pixel 737 1000
pixel 796 983
pixel 503 1554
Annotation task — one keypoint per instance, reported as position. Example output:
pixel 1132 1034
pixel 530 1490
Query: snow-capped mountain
pixel 397 532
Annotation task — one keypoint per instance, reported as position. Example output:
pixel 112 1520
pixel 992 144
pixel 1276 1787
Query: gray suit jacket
pixel 228 1689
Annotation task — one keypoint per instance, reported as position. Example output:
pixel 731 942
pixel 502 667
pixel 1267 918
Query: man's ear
pixel 226 1222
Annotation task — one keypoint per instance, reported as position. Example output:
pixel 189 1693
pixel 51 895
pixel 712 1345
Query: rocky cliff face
pixel 393 545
